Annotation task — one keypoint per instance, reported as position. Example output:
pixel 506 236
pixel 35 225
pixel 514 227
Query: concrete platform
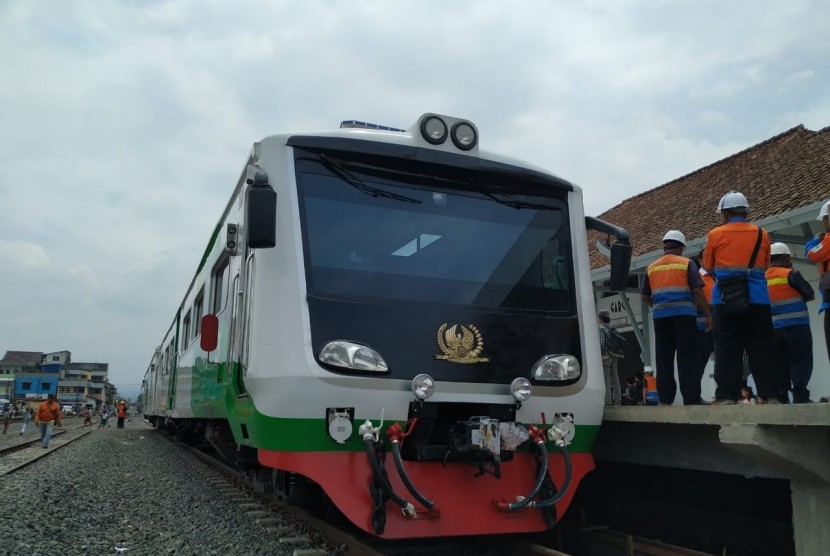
pixel 790 442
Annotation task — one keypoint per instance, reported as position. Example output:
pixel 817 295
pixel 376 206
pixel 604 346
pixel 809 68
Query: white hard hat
pixel 824 210
pixel 733 200
pixel 675 235
pixel 779 248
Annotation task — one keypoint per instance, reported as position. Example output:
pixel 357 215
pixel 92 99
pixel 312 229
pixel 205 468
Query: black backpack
pixel 617 343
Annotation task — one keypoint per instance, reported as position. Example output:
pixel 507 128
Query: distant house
pixel 786 180
pixel 84 384
pixel 13 364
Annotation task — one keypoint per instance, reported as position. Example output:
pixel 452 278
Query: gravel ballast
pixel 124 491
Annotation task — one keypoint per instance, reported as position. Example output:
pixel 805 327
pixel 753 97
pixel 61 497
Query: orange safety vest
pixel 728 249
pixel 668 278
pixel 788 306
pixel 651 388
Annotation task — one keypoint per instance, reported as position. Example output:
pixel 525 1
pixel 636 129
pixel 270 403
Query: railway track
pixel 313 535
pixel 20 454
pixel 317 536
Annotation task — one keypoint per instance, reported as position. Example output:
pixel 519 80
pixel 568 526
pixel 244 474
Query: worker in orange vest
pixel 674 290
pixel 650 396
pixel 789 293
pixel 817 250
pixel 738 254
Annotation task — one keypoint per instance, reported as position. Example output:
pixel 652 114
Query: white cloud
pixel 22 256
pixel 126 124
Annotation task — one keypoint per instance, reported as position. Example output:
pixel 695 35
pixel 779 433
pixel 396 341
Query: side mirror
pixel 620 265
pixel 210 333
pixel 261 207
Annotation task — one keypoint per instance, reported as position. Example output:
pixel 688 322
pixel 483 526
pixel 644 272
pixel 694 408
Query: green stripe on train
pixel 215 395
pixel 282 434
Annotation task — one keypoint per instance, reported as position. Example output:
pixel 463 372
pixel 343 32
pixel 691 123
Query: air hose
pixel 380 476
pixel 538 437
pixel 565 484
pixel 396 455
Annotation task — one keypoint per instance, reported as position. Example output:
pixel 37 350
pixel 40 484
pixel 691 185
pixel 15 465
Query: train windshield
pixel 401 230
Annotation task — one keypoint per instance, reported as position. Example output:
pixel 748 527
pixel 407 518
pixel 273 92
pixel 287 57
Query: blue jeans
pixel 46 433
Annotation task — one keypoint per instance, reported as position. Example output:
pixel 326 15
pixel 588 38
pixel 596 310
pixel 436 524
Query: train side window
pixel 198 312
pixel 221 283
pixel 246 313
pixel 186 331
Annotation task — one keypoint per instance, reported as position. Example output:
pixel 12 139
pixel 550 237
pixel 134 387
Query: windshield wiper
pixel 359 184
pixel 515 203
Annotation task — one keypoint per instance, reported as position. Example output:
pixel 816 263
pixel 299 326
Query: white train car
pixel 371 289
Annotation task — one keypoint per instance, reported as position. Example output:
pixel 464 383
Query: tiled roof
pixel 22 358
pixel 783 173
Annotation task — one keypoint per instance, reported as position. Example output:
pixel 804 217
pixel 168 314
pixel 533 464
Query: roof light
pixel 434 130
pixel 464 135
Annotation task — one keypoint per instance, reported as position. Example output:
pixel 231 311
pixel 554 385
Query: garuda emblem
pixel 460 346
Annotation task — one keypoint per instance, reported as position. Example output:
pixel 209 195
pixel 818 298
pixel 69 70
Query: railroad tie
pixel 294 540
pixel 310 552
pixel 278 531
pixel 257 513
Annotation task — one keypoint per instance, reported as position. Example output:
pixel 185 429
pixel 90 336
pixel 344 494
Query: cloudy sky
pixel 124 125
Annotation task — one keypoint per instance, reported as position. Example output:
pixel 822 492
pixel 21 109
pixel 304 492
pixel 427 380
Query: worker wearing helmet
pixel 789 293
pixel 738 254
pixel 674 289
pixel 817 250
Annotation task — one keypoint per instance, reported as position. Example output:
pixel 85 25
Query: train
pixel 400 319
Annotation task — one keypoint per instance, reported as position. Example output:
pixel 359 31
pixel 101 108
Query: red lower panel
pixel 465 502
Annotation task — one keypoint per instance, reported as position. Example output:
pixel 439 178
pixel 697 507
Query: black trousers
pixel 751 332
pixel 705 348
pixel 677 336
pixel 795 346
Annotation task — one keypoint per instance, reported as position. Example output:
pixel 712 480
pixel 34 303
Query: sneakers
pixel 723 402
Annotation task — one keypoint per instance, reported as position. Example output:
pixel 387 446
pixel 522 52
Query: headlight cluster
pixel 435 129
pixel 350 355
pixel 556 368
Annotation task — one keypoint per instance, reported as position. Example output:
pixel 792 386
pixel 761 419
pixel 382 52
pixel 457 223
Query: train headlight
pixel 423 386
pixel 434 130
pixel 556 368
pixel 351 355
pixel 464 135
pixel 521 389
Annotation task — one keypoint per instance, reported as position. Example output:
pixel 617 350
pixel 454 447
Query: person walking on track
pixel 48 414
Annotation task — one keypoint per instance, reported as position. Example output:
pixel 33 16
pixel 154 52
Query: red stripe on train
pixel 465 502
